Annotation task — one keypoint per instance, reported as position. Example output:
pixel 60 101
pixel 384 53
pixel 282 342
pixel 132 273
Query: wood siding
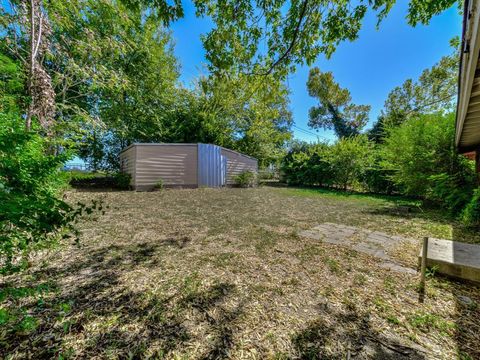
pixel 238 163
pixel 174 164
pixel 127 163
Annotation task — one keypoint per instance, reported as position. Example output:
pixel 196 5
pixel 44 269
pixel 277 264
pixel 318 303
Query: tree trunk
pixel 31 107
pixel 40 88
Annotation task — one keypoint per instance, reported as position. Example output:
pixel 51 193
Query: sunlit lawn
pixel 208 273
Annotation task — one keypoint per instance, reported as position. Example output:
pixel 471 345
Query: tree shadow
pixel 467 315
pixel 108 318
pixel 222 324
pixel 345 335
pixel 459 231
pixel 467 325
pixel 178 243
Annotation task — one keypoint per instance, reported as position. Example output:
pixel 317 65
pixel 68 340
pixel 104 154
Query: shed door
pixel 209 166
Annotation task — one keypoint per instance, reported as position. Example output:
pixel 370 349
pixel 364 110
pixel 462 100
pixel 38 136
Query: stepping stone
pixel 453 258
pixel 466 301
pixel 373 243
pixel 371 249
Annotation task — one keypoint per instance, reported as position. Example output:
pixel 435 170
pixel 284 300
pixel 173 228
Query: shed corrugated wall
pixel 175 164
pixel 210 166
pixel 238 163
pixel 127 163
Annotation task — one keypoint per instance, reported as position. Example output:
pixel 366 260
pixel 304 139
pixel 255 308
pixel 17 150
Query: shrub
pixel 423 160
pixel 378 180
pixel 246 179
pixel 306 164
pixel 471 214
pixel 342 164
pixel 122 180
pixel 267 174
pixel 159 184
pixel 450 191
pixel 32 213
pixel 349 159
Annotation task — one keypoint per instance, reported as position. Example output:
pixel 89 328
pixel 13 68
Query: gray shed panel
pixel 210 169
pixel 238 163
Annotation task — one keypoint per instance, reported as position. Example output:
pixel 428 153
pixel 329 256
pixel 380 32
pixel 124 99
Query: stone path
pixel 373 243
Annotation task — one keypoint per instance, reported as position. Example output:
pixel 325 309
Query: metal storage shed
pixel 183 165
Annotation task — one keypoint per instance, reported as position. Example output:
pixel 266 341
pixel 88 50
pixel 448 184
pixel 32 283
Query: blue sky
pixel 369 67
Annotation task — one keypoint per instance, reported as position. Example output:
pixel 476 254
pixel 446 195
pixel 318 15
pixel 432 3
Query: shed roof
pixel 467 136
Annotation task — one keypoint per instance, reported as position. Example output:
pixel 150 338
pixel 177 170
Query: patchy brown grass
pixel 208 274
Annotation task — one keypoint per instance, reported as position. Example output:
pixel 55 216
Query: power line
pixel 309 132
pixel 304 130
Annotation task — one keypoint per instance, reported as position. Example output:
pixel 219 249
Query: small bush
pixel 306 164
pixel 122 180
pixel 451 191
pixel 349 158
pixel 32 213
pixel 267 174
pixel 159 184
pixel 75 175
pixel 377 180
pixel 246 179
pixel 471 214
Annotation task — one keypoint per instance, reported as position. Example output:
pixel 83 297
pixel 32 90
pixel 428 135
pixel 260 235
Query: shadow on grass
pixel 340 193
pixel 98 315
pixel 460 232
pixel 222 325
pixel 338 335
pixel 467 320
pixel 178 243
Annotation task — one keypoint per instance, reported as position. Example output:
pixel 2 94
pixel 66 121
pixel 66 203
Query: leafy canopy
pixel 433 92
pixel 254 112
pixel 265 37
pixel 32 215
pixel 335 109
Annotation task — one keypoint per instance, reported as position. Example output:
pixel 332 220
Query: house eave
pixel 467 135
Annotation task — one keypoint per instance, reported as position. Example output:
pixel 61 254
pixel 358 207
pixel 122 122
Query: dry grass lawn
pixel 207 274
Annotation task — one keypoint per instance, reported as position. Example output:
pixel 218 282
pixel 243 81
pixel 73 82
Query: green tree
pixel 114 74
pixel 253 111
pixel 335 109
pixel 434 91
pixel 32 214
pixel 265 37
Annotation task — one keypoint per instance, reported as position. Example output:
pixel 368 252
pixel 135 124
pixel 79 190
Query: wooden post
pixel 423 269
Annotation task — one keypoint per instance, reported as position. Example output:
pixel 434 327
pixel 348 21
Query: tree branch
pixel 39 35
pixel 292 44
pixel 430 103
